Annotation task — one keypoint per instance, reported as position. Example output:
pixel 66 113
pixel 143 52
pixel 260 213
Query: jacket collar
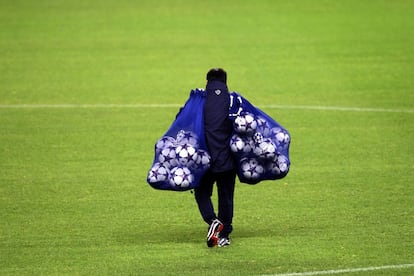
pixel 216 85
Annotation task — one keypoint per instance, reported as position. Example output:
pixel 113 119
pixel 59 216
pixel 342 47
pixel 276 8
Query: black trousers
pixel 225 182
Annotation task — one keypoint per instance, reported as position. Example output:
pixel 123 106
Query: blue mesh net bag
pixel 181 156
pixel 259 144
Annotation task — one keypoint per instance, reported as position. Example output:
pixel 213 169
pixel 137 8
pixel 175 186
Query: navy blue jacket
pixel 218 127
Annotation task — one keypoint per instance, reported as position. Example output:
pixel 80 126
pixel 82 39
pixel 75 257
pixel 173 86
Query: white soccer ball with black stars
pixel 241 145
pixel 181 177
pixel 158 173
pixel 164 142
pixel 251 169
pixel 272 167
pixel 168 157
pixel 283 163
pixel 262 126
pixel 245 124
pixel 203 159
pixel 266 149
pixel 187 137
pixel 237 143
pixel 249 145
pixel 186 154
pixel 281 136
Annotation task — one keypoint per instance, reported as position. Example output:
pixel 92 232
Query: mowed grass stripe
pixel 297 107
pixel 346 270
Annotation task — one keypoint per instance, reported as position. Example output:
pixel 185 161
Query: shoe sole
pixel 224 243
pixel 212 235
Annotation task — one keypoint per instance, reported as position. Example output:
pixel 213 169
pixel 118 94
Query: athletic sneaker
pixel 223 242
pixel 213 233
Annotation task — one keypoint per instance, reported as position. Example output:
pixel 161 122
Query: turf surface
pixel 73 196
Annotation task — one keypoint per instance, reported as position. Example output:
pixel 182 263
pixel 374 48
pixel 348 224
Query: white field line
pixel 294 107
pixel 86 106
pixel 339 108
pixel 347 270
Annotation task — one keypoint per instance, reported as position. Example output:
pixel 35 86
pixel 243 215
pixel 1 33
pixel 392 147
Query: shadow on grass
pixel 161 233
pixel 189 233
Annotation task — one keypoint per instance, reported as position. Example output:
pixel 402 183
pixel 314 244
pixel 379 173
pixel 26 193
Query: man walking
pixel 218 130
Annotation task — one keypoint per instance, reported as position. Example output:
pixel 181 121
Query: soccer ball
pixel 248 145
pixel 203 159
pixel 272 168
pixel 283 163
pixel 245 124
pixel 251 169
pixel 164 142
pixel 281 136
pixel 241 145
pixel 263 126
pixel 158 173
pixel 237 143
pixel 181 177
pixel 168 157
pixel 187 137
pixel 186 155
pixel 258 137
pixel 278 167
pixel 265 149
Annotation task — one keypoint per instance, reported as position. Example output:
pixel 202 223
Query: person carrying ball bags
pixel 218 129
pixel 215 137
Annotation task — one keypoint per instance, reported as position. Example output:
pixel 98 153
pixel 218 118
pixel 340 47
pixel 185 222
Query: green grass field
pixel 74 156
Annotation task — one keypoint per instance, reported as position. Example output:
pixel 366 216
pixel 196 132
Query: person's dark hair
pixel 217 74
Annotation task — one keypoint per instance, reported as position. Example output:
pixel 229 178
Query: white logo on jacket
pixel 218 92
